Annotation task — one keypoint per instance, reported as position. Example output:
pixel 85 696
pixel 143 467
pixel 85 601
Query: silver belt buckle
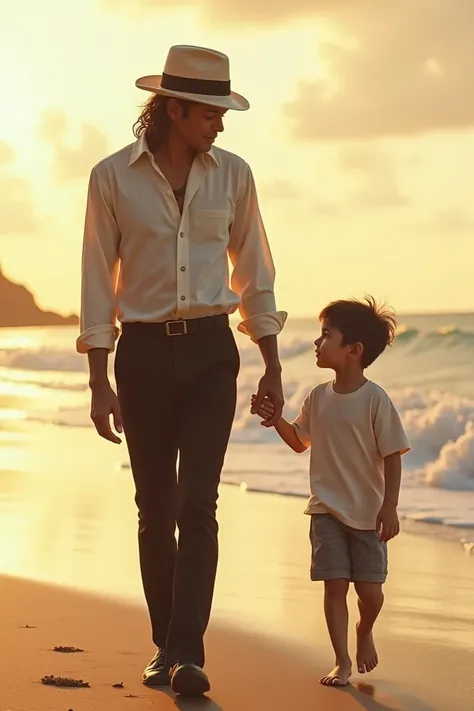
pixel 170 328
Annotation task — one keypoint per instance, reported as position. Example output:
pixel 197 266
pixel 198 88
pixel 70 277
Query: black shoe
pixel 157 673
pixel 188 679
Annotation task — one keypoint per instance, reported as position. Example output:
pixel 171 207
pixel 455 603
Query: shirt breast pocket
pixel 211 226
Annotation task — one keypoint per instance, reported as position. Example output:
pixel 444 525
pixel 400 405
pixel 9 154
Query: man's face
pixel 199 126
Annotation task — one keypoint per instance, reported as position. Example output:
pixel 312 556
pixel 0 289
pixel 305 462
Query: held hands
pixel 269 390
pixel 266 409
pixel 388 525
pixel 105 403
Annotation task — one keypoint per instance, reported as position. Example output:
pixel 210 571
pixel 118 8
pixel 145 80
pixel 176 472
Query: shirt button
pixel 183 298
pixel 183 269
pixel 181 234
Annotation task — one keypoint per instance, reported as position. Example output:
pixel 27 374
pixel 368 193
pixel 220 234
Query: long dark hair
pixel 154 120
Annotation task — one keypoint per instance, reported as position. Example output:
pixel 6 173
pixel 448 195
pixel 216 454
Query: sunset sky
pixel 360 135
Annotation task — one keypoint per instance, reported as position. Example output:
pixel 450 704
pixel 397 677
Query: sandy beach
pixel 247 671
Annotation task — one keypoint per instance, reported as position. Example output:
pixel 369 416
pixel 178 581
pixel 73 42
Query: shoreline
pixel 462 535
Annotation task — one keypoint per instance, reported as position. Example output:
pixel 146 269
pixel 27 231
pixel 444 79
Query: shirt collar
pixel 138 148
pixel 141 146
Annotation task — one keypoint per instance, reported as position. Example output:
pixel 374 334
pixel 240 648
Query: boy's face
pixel 330 351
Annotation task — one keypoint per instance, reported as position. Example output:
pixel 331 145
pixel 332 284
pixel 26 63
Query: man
pixel 163 215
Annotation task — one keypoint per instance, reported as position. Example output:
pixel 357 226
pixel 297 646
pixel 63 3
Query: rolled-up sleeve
pixel 253 273
pixel 100 259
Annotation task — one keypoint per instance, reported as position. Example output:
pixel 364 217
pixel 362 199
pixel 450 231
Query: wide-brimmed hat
pixel 196 74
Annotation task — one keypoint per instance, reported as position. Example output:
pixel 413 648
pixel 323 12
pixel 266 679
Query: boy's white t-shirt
pixel 349 435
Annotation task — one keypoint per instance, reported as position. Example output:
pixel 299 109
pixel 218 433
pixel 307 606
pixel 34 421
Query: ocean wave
pixel 454 467
pixel 43 383
pixel 63 417
pixel 288 350
pixel 57 360
pixel 440 428
pixel 438 478
pixel 429 373
pixel 445 336
pixel 439 424
pixel 42 359
pixel 290 346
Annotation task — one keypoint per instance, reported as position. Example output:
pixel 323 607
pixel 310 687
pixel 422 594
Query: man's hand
pixel 269 386
pixel 105 403
pixel 388 525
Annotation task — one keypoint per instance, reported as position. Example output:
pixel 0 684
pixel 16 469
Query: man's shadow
pixel 203 703
pixel 364 694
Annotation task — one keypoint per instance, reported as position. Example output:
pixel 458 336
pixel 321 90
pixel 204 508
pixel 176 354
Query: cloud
pixel 71 163
pixel 449 221
pixel 363 177
pixel 394 69
pixel 378 183
pixel 7 154
pixel 53 126
pixel 245 12
pixel 17 206
pixel 279 189
pixel 296 198
pixel 326 208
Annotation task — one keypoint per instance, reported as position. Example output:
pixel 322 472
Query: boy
pixel 356 440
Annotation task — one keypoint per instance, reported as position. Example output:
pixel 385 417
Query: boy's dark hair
pixel 362 321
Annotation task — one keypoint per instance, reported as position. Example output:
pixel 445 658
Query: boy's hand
pixel 388 525
pixel 266 410
pixel 270 386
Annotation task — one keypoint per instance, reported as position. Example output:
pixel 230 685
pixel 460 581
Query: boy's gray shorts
pixel 342 552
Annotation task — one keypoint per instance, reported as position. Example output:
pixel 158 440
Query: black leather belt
pixel 180 327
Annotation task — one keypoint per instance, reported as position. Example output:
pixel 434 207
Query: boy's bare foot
pixel 367 658
pixel 339 676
